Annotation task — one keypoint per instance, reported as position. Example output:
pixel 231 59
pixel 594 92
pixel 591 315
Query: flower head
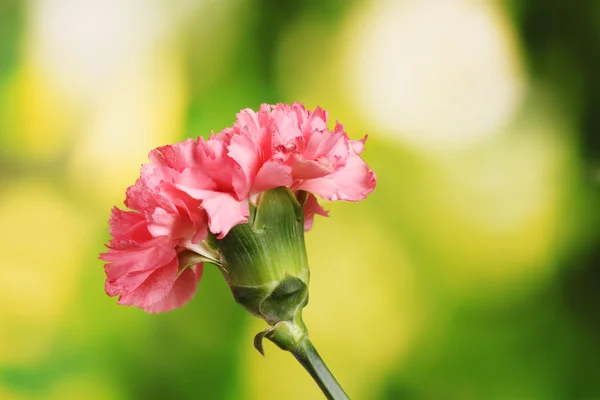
pixel 193 193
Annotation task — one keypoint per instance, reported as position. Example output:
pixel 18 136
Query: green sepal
pixel 273 303
pixel 189 258
pixel 287 335
pixel 258 342
pixel 284 302
pixel 250 297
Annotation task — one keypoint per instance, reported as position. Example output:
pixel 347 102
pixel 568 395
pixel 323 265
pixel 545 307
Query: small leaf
pixel 258 342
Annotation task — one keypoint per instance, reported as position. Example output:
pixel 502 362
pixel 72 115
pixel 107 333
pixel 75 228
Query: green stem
pixel 310 359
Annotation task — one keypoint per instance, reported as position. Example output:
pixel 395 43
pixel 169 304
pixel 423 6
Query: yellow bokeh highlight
pixel 43 243
pixel 39 114
pixel 437 76
pixel 140 109
pixel 494 218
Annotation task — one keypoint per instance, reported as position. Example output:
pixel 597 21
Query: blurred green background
pixel 472 271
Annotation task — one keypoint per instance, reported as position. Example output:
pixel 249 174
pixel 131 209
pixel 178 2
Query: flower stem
pixel 310 359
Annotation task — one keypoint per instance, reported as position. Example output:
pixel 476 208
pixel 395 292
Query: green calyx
pixel 265 262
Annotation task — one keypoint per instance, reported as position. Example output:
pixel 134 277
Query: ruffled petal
pixel 224 212
pixel 153 289
pixel 194 177
pixel 136 258
pixel 272 174
pixel 248 120
pixel 312 207
pixel 127 226
pixel 162 222
pixel 286 126
pixel 359 145
pixel 309 169
pixel 352 183
pixel 246 153
pixel 182 291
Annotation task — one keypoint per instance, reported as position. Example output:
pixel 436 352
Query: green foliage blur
pixel 472 271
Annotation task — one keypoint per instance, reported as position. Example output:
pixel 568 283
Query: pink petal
pixel 247 155
pixel 127 226
pixel 248 119
pixel 198 194
pixel 359 145
pixel 162 222
pixel 153 289
pixel 318 119
pixel 127 283
pixel 214 164
pixel 312 207
pixel 224 212
pixel 194 177
pixel 139 197
pixel 323 153
pixel 182 291
pixel 167 157
pixel 245 152
pixel 308 169
pixel 272 174
pixel 124 261
pixel 325 143
pixel 223 209
pixel 285 126
pixel 195 217
pixel 352 183
pixel 264 136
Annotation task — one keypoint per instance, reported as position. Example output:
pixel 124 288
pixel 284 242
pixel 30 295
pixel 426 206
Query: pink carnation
pixel 199 185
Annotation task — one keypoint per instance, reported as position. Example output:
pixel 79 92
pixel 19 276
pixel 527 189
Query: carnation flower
pixel 240 200
pixel 199 186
